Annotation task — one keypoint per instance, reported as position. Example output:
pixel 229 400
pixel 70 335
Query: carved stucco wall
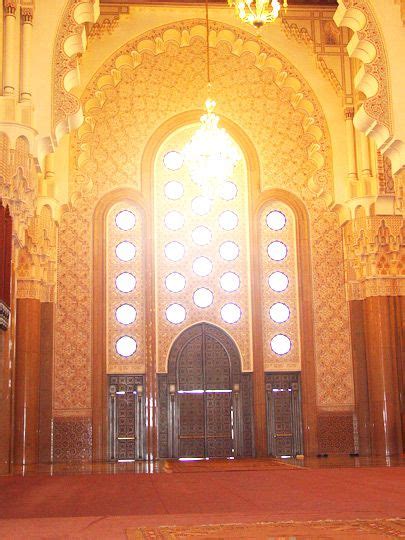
pixel 124 104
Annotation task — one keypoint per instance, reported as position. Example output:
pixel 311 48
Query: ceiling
pixel 200 2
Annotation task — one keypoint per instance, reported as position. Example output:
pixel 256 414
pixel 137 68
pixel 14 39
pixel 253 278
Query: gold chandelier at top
pixel 257 12
pixel 211 154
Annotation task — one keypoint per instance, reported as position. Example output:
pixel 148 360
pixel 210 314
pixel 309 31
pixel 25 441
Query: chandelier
pixel 211 154
pixel 257 12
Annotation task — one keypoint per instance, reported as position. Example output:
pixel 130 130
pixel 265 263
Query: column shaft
pixel 26 43
pixel 28 341
pixel 10 63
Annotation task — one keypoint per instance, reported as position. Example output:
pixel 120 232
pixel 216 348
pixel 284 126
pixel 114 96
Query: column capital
pixel 10 7
pixel 349 113
pixel 374 247
pixel 27 15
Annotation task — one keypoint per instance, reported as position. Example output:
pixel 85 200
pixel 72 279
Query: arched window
pixel 201 251
pixel 125 278
pixel 279 293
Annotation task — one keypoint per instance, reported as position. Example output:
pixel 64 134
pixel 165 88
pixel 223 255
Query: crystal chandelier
pixel 211 154
pixel 257 12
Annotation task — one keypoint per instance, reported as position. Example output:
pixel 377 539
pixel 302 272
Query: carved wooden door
pixel 283 398
pixel 126 417
pixel 203 402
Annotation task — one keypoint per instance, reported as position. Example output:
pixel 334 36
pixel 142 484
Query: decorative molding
pixel 335 433
pixel 374 117
pixel 71 41
pixel 36 271
pixel 374 256
pixel 18 183
pixel 10 7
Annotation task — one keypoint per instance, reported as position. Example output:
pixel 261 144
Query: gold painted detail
pixel 374 256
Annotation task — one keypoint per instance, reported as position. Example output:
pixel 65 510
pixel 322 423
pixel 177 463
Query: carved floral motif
pixel 149 81
pixel 374 256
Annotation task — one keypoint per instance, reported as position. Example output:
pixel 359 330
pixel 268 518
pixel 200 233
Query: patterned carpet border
pixel 227 465
pixel 324 529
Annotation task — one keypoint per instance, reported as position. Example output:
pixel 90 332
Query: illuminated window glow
pixel 125 314
pixel 230 282
pixel 175 282
pixel 279 312
pixel 126 346
pixel 125 282
pixel 174 220
pixel 174 251
pixel 125 251
pixel 231 313
pixel 174 190
pixel 228 220
pixel 277 251
pixel 201 235
pixel 125 220
pixel 280 344
pixel 229 251
pixel 202 266
pixel 201 205
pixel 173 160
pixel 203 297
pixel 176 313
pixel 276 220
pixel 278 281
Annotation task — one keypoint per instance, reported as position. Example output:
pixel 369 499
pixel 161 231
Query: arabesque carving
pixel 71 41
pixel 18 183
pixel 374 117
pixel 374 256
pixel 149 81
pixel 36 271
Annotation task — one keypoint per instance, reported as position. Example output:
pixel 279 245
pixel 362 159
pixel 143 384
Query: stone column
pixel 374 247
pixel 36 277
pixel 26 44
pixel 28 340
pixel 10 63
pixel 382 371
pixel 350 144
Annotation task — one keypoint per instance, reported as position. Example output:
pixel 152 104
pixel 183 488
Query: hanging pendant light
pixel 211 155
pixel 257 12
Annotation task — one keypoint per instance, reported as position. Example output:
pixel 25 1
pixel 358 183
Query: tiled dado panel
pixel 72 439
pixel 335 433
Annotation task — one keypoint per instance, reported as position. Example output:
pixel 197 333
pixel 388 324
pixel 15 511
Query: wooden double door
pixel 205 395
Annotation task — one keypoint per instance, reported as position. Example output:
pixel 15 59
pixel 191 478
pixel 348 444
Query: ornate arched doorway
pixel 205 399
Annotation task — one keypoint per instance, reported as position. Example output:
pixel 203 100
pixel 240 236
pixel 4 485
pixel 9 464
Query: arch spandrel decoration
pixel 374 117
pixel 291 98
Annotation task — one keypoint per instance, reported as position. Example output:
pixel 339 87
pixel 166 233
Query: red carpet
pixel 278 494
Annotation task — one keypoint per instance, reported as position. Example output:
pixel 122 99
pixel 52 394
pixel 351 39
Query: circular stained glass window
pixel 231 313
pixel 175 282
pixel 230 282
pixel 173 160
pixel 175 313
pixel 174 220
pixel 229 251
pixel 125 282
pixel 280 344
pixel 174 251
pixel 278 281
pixel 203 298
pixel 125 220
pixel 228 191
pixel 125 251
pixel 202 266
pixel 125 314
pixel 276 220
pixel 277 251
pixel 126 346
pixel 201 205
pixel 279 312
pixel 174 190
pixel 201 235
pixel 228 220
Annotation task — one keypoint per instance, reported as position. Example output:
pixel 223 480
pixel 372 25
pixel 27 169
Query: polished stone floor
pixel 159 466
